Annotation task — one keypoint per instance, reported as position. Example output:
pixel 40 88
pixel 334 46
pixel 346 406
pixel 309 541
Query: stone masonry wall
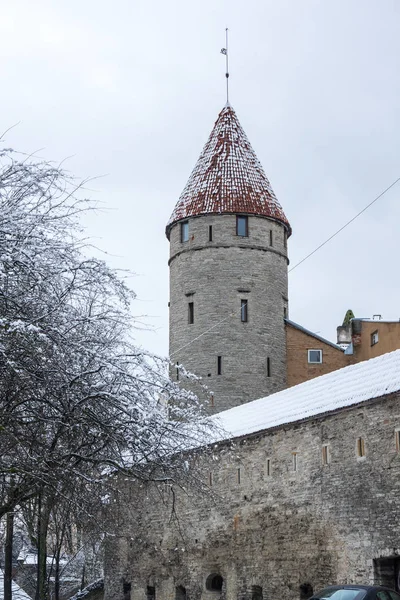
pixel 269 525
pixel 216 276
pixel 298 368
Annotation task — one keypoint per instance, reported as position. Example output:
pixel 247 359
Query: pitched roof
pixel 314 335
pixel 228 178
pixel 340 389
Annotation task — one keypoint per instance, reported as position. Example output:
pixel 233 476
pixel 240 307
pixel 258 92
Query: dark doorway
pixel 306 591
pixel 256 592
pixel 214 582
pixel 126 588
pixel 180 593
pixel 151 593
pixel 387 572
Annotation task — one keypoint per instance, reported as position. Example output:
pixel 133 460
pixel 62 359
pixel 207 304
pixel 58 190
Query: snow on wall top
pixel 227 178
pixel 342 388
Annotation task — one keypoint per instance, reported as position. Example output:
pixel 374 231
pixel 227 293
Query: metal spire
pixel 225 51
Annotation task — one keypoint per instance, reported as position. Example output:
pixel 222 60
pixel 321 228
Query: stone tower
pixel 228 272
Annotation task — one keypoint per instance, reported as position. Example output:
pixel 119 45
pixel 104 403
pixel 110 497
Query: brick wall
pixel 298 368
pixel 321 524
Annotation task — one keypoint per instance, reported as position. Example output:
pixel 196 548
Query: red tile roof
pixel 228 178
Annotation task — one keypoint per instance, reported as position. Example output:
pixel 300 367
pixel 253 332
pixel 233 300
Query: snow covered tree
pixel 79 401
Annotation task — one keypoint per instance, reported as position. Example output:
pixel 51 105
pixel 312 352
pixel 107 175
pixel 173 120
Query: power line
pixel 345 225
pixel 296 265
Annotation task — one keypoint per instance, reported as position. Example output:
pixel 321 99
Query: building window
pixel 256 592
pixel 242 226
pixel 177 371
pixel 210 233
pixel 271 238
pixel 210 479
pixel 397 439
pixel 374 338
pixel 315 356
pixel 151 592
pixel 244 310
pixel 185 231
pixel 238 476
pixel 191 313
pixel 219 365
pixel 214 583
pixel 268 467
pixel 360 448
pixel 326 458
pixel 295 461
pixel 285 239
pixel 180 593
pixel 268 366
pixel 285 312
pixel 212 400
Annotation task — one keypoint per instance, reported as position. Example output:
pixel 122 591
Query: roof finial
pixel 225 51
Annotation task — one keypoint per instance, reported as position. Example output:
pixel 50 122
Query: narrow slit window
pixel 268 366
pixel 185 231
pixel 177 371
pixel 238 476
pixel 285 239
pixel 210 479
pixel 244 310
pixel 397 439
pixel 211 399
pixel 295 461
pixel 268 468
pixel 325 455
pixel 210 239
pixel 360 447
pixel 191 313
pixel 242 226
pixel 219 365
pixel 285 312
pixel 271 237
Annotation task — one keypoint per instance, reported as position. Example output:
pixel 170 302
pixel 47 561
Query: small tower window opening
pixel 214 583
pixel 256 592
pixel 285 312
pixel 268 366
pixel 180 593
pixel 151 593
pixel 397 439
pixel 285 239
pixel 126 589
pixel 326 459
pixel 360 447
pixel 374 338
pixel 191 313
pixel 210 233
pixel 315 356
pixel 219 365
pixel 295 461
pixel 185 231
pixel 271 237
pixel 177 371
pixel 268 467
pixel 212 400
pixel 244 312
pixel 242 226
pixel 238 476
pixel 210 479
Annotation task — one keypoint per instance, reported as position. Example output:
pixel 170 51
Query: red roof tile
pixel 228 178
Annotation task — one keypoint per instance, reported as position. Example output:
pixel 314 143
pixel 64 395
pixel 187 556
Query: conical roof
pixel 228 178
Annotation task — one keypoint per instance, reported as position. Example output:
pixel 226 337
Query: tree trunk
pixel 8 556
pixel 43 523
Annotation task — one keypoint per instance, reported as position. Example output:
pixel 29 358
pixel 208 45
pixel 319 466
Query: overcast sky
pixel 131 89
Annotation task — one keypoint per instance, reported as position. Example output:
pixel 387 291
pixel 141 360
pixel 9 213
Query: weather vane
pixel 225 51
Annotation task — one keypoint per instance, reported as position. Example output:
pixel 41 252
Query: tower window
pixel 397 439
pixel 271 238
pixel 191 313
pixel 374 338
pixel 185 231
pixel 210 479
pixel 177 371
pixel 242 226
pixel 315 356
pixel 295 461
pixel 212 400
pixel 238 476
pixel 210 233
pixel 244 311
pixel 268 467
pixel 219 365
pixel 285 239
pixel 268 366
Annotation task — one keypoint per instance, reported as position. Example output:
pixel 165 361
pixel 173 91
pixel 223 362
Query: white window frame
pixel 374 337
pixel 314 362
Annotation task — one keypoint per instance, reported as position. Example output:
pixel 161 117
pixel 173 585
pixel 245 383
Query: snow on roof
pixel 228 178
pixel 17 592
pixel 342 388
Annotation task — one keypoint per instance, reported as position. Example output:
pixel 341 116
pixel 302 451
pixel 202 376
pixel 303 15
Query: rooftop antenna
pixel 225 51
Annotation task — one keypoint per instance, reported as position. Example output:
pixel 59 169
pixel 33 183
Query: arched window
pixel 214 582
